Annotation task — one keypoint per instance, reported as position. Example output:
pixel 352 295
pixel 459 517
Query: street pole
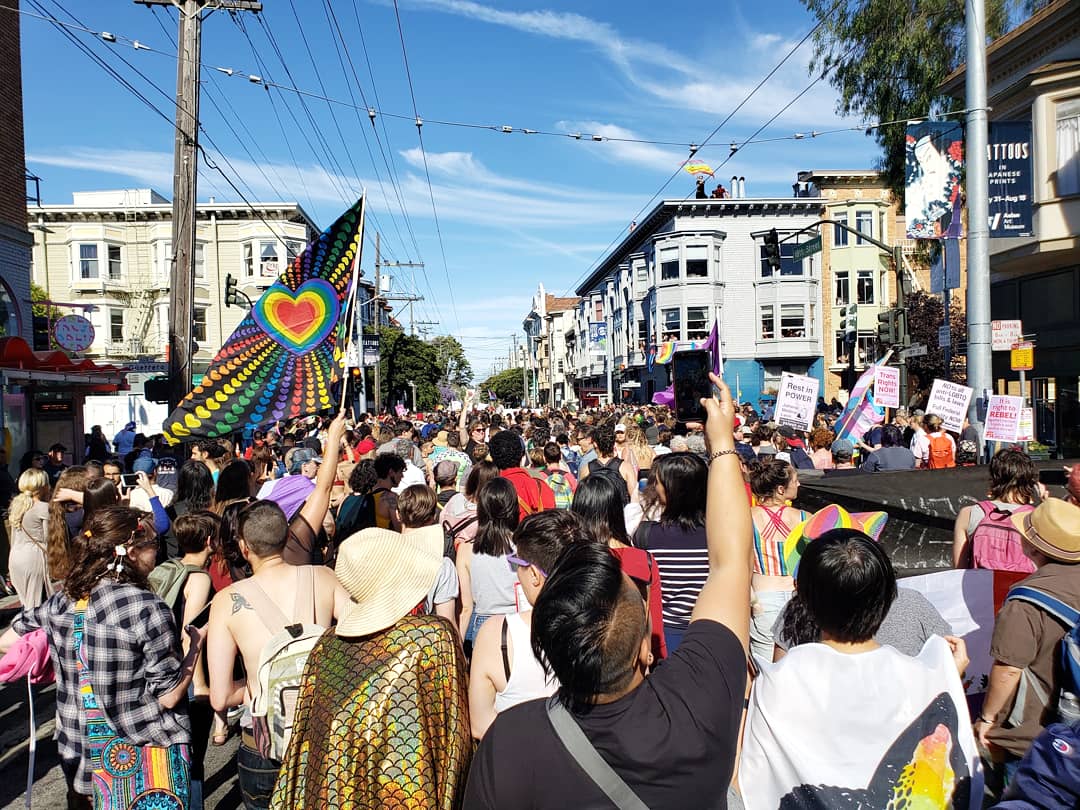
pixel 903 333
pixel 979 358
pixel 378 319
pixel 185 184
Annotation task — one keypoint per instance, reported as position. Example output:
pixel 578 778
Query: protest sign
pixel 796 401
pixel 950 402
pixel 886 386
pixel 1026 432
pixel 1003 418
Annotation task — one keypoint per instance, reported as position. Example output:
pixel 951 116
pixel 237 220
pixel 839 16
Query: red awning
pixel 18 362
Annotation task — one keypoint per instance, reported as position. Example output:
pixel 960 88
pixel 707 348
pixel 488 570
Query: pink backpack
pixel 995 543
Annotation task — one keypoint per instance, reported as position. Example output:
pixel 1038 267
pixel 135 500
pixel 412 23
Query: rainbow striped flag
pixel 860 413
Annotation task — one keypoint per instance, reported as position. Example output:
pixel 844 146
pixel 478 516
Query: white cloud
pixel 651 156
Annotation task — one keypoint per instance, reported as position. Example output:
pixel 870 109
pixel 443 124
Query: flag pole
pixel 350 306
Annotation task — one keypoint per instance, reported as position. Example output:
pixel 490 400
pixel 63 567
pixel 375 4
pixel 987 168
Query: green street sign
pixel 804 249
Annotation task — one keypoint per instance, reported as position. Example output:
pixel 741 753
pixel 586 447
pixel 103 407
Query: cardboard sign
pixel 1026 431
pixel 796 401
pixel 1003 418
pixel 886 386
pixel 950 402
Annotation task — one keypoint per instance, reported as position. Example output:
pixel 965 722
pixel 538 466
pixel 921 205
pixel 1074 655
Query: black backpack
pixel 451 532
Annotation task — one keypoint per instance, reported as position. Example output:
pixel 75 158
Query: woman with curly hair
pixel 821 439
pixel 29 516
pixel 117 652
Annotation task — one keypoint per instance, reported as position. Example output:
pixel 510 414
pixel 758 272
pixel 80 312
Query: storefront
pixel 43 395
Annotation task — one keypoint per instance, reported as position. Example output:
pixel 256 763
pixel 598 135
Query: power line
pixel 427 172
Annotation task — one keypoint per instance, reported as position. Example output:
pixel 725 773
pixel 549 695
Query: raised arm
pixel 314 509
pixel 725 598
pixel 463 419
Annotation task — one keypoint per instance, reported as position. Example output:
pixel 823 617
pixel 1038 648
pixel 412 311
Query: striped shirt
pixel 683 559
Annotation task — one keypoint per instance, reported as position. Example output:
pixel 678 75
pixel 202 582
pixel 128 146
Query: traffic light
pixel 888 330
pixel 157 389
pixel 231 297
pixel 849 323
pixel 772 249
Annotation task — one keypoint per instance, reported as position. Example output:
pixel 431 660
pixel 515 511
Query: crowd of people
pixel 543 609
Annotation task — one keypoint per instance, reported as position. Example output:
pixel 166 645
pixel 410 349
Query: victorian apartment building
pixel 1033 75
pixel 690 263
pixel 550 318
pixel 112 250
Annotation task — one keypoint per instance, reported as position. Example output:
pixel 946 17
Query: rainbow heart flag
pixel 281 360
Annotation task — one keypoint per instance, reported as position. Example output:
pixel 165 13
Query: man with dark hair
pixel 389 469
pixel 672 743
pixel 55 464
pixel 245 616
pixel 891 455
pixel 534 495
pixel 604 441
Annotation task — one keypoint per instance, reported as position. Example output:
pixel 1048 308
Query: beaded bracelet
pixel 718 453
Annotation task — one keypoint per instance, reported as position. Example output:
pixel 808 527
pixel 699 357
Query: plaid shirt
pixel 133 654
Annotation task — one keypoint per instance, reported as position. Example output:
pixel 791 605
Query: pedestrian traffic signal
pixel 231 297
pixel 772 249
pixel 849 323
pixel 41 333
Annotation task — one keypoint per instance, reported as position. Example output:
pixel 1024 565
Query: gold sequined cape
pixel 382 722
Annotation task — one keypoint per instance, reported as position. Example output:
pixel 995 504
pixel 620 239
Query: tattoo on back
pixel 239 603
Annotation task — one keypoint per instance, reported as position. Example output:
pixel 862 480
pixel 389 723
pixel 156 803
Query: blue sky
pixel 514 209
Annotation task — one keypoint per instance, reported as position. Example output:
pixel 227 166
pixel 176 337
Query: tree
pixel 454 367
pixel 888 58
pixel 925 315
pixel 407 361
pixel 509 386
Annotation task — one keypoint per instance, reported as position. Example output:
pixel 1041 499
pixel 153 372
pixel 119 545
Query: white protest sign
pixel 886 386
pixel 1026 432
pixel 1003 418
pixel 950 402
pixel 796 401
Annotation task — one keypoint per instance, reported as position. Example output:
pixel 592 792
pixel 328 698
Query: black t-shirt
pixel 672 740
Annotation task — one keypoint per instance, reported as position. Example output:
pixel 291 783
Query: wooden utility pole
pixel 378 322
pixel 185 183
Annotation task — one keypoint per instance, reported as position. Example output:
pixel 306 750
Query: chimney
pixel 742 187
pixel 734 186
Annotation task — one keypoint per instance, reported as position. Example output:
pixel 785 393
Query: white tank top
pixel 527 680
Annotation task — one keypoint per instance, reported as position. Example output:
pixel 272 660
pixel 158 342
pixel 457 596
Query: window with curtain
pixel 839 234
pixel 697 323
pixel 672 319
pixel 792 321
pixel 1068 147
pixel 697 261
pixel 866 287
pixel 841 282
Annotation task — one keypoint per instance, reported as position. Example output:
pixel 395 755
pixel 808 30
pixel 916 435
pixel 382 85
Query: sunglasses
pixel 517 562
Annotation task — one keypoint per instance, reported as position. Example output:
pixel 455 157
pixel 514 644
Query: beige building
pixel 547 356
pixel 113 250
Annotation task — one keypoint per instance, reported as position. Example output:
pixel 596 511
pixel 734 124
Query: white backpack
pixel 281 666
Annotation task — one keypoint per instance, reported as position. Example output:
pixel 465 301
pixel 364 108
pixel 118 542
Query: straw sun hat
pixel 387 575
pixel 1053 527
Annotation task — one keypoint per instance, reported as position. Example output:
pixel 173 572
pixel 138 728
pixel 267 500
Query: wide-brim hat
pixel 1053 527
pixel 440 439
pixel 387 574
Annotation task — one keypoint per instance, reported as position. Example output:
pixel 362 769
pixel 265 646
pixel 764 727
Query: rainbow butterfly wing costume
pixel 281 360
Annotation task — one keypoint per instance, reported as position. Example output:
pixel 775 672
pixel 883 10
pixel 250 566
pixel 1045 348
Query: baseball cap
pixel 620 428
pixel 787 432
pixel 843 447
pixel 144 464
pixel 300 457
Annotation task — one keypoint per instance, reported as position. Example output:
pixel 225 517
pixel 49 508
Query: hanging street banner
pixel 1008 166
pixel 950 402
pixel 796 401
pixel 934 165
pixel 1003 418
pixel 886 386
pixel 370 350
pixel 598 338
pixel 281 360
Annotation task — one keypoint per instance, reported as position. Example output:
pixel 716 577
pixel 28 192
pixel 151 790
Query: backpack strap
pixel 586 755
pixel 505 655
pixel 1065 614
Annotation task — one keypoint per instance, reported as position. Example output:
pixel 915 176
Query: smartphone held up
pixel 690 383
